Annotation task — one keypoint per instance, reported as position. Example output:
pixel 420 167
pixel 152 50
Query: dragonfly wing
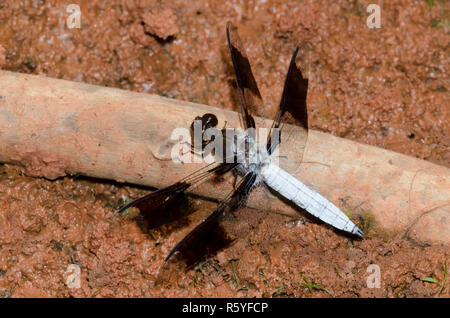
pixel 169 204
pixel 195 240
pixel 292 111
pixel 249 96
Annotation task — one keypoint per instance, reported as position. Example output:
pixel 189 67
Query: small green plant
pixel 431 3
pixel 262 273
pixel 430 280
pixel 336 270
pixel 367 221
pixel 445 277
pixel 439 24
pixel 433 280
pixel 311 286
pixel 127 200
pixel 348 214
pixel 196 278
pixel 94 294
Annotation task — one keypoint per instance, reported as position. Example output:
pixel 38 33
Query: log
pixel 55 127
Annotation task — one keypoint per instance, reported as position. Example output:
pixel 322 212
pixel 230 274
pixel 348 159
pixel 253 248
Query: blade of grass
pixel 306 283
pixel 320 287
pixel 429 280
pixel 445 278
pixel 311 286
pixel 94 294
pixel 127 200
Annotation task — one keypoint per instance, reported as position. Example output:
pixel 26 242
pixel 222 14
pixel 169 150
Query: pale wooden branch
pixel 53 127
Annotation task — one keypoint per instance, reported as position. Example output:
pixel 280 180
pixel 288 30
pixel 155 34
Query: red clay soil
pixel 386 87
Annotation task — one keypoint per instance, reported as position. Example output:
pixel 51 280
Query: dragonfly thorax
pixel 243 148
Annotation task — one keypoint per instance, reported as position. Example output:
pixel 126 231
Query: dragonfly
pixel 256 164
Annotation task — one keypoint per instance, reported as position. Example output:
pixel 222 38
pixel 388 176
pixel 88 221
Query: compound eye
pixel 209 121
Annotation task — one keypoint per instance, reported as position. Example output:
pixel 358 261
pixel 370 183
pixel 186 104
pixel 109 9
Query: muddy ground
pixel 386 87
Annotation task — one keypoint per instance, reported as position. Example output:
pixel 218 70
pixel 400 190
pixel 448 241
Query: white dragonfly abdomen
pixel 306 198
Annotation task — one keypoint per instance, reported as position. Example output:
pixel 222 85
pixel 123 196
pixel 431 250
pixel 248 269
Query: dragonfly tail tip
pixel 358 232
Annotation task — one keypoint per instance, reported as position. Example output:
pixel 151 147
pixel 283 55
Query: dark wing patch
pixel 207 237
pixel 292 108
pixel 170 204
pixel 249 96
pixel 163 206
